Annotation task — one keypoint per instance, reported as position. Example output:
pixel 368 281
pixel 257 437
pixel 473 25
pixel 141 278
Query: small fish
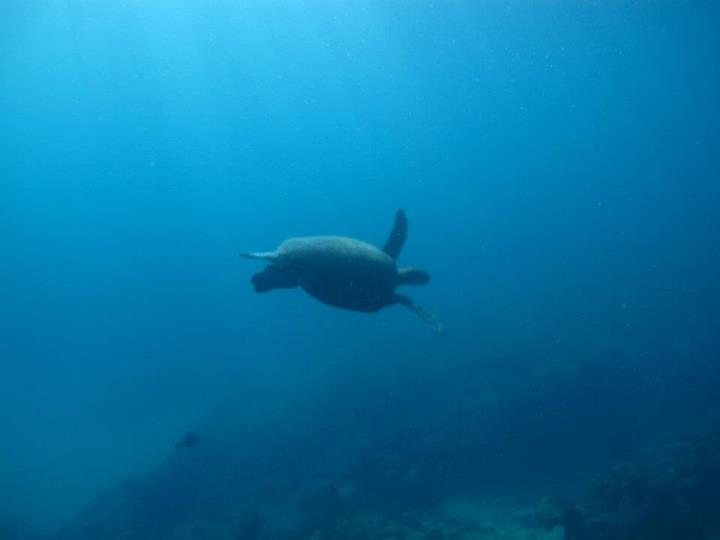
pixel 189 440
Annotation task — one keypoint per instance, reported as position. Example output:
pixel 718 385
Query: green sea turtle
pixel 344 272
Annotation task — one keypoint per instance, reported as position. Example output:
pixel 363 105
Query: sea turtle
pixel 344 272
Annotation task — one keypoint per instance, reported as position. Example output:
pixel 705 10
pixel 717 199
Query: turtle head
pixel 274 277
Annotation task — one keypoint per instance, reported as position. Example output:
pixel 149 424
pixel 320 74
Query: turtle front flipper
pixel 427 316
pixel 397 237
pixel 264 255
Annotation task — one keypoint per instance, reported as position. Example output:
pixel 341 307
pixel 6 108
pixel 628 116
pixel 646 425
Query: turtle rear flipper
pixel 397 237
pixel 427 316
pixel 412 276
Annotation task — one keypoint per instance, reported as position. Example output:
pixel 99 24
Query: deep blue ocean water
pixel 558 163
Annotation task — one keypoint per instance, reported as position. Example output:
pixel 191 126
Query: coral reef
pixel 455 519
pixel 673 497
pixel 10 528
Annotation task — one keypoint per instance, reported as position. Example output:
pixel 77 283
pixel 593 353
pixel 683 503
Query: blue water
pixel 559 165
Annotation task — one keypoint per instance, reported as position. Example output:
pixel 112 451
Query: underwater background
pixel 559 165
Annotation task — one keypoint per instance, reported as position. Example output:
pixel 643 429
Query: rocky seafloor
pixel 675 494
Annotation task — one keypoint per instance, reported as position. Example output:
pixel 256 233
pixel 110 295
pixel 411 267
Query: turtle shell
pixel 342 272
